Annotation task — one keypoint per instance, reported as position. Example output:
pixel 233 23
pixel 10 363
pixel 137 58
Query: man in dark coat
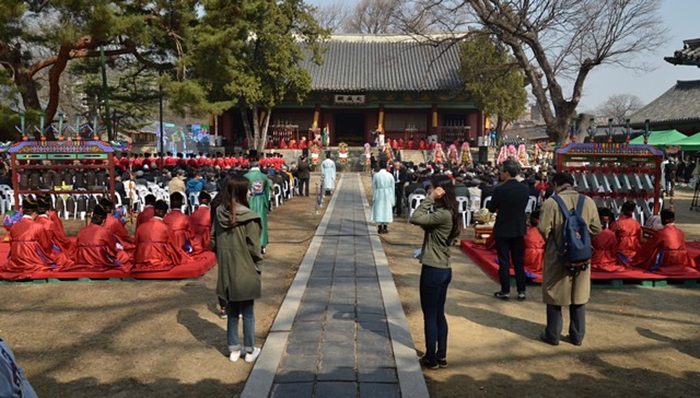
pixel 304 173
pixel 509 200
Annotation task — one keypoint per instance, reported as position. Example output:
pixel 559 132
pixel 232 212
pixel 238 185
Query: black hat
pixel 106 202
pixel 150 199
pixel 43 202
pixel 668 215
pixel 204 196
pixel 161 206
pixel 176 197
pixel 100 211
pixel 29 204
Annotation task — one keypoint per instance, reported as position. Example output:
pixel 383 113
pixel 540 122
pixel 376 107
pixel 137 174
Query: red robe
pixel 155 247
pixel 144 216
pixel 534 250
pixel 113 225
pixel 201 222
pixel 628 233
pixel 183 232
pixel 668 244
pixel 28 247
pixel 53 216
pixel 96 250
pixel 61 252
pixel 605 247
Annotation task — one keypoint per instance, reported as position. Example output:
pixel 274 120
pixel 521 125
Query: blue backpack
pixel 575 249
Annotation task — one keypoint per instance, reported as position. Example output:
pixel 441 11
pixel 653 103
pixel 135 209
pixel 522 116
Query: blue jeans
pixel 433 293
pixel 233 309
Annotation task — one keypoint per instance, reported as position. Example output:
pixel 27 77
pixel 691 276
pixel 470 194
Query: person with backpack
pixel 566 277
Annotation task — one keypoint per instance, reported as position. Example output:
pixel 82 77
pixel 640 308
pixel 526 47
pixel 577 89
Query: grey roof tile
pixel 397 63
pixel 688 55
pixel 680 103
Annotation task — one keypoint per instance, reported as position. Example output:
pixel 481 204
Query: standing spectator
pixel 670 176
pixel 13 383
pixel 259 198
pixel 399 179
pixel 559 285
pixel 509 200
pixel 235 238
pixel 328 171
pixel 303 173
pixel 441 227
pixel 383 199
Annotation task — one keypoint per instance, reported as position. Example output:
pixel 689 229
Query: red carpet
pixel 192 269
pixel 486 260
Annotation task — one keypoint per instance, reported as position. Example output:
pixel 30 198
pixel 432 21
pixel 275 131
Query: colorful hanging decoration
pixel 367 155
pixel 343 153
pixel 452 156
pixel 502 154
pixel 466 155
pixel 388 153
pixel 512 153
pixel 315 150
pixel 522 156
pixel 438 154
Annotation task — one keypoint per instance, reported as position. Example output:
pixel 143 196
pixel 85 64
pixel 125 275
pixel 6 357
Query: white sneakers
pixel 250 357
pixel 234 355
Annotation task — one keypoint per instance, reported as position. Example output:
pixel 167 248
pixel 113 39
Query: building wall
pixel 430 115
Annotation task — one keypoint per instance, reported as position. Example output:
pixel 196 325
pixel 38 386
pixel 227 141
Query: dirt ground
pixel 163 339
pixel 639 341
pixel 145 339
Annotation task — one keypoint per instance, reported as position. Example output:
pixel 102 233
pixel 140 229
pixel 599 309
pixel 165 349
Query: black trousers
pixel 577 322
pixel 398 193
pixel 507 249
pixel 304 186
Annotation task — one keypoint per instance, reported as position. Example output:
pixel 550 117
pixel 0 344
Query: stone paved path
pixel 341 331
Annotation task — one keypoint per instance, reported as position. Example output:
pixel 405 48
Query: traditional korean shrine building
pixel 679 107
pixel 408 88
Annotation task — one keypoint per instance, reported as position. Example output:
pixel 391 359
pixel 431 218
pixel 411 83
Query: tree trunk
pixel 256 130
pixel 246 125
pixel 499 128
pixel 264 128
pixel 30 96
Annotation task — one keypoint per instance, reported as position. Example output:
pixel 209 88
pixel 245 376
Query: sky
pixel 679 17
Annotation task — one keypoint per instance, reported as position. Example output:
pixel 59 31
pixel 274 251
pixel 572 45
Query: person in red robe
pixel 628 232
pixel 147 212
pixel 605 246
pixel 155 244
pixel 303 144
pixel 201 221
pixel 96 247
pixel 283 144
pixel 534 246
pixel 114 225
pixel 665 252
pixel 29 245
pixel 61 253
pixel 181 227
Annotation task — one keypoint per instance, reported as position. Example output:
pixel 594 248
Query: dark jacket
pixel 437 225
pixel 303 170
pixel 509 200
pixel 238 254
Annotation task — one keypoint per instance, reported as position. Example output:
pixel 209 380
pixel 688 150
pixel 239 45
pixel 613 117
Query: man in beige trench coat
pixel 559 285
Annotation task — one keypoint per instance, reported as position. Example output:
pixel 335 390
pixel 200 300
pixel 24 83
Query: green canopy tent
pixel 691 143
pixel 661 138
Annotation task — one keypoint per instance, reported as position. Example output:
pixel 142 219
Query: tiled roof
pixel 681 103
pixel 386 63
pixel 688 55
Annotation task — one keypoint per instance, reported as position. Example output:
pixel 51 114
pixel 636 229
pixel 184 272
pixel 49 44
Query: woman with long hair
pixel 441 226
pixel 235 238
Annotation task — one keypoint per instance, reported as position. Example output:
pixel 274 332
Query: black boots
pixel 382 229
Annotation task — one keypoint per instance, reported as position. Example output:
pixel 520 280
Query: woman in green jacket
pixel 235 238
pixel 441 227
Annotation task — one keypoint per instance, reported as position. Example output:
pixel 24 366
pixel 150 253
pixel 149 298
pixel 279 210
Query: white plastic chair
pixel 486 202
pixel 285 190
pixel 194 201
pixel 414 200
pixel 277 194
pixel 531 204
pixel 464 210
pixel 5 193
pixel 184 201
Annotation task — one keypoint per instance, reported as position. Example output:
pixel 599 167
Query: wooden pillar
pixel 380 120
pixel 317 116
pixel 434 122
